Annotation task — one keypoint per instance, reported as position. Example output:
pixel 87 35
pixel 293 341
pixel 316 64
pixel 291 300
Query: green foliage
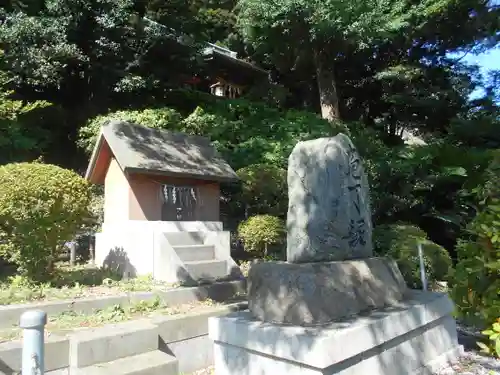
pixel 96 208
pixel 476 286
pixel 493 334
pixel 253 133
pixel 490 187
pixel 160 118
pixel 479 131
pixel 264 190
pixel 413 183
pixel 479 126
pixel 261 231
pixel 18 140
pixel 358 20
pixel 41 207
pixel 400 242
pixel 244 132
pixel 345 45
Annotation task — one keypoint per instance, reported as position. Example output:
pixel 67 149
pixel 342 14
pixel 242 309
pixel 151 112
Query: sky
pixel 487 61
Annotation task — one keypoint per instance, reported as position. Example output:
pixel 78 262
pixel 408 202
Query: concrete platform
pixel 414 337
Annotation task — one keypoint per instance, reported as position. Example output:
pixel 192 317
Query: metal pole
pixel 423 276
pixel 33 323
pixel 72 253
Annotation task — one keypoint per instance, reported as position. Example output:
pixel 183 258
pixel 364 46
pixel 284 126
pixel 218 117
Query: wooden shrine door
pixel 179 203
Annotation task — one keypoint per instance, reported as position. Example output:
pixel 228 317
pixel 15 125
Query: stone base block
pixel 311 294
pixel 415 337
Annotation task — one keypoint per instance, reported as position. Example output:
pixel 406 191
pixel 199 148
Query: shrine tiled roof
pixel 139 149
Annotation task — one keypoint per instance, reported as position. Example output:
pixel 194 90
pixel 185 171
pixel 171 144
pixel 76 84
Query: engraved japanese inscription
pixel 329 214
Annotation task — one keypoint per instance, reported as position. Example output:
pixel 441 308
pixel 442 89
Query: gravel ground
pixel 206 371
pixel 471 363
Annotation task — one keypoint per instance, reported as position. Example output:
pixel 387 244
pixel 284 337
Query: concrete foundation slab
pixel 412 337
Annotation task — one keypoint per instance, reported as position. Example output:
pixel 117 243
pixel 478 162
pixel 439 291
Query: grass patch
pixel 82 281
pixel 74 282
pixel 69 321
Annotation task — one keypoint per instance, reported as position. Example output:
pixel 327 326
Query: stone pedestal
pixel 311 294
pixel 416 336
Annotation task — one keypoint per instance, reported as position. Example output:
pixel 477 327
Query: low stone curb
pixel 9 315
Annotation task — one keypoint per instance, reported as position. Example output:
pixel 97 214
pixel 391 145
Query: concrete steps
pixel 185 238
pixel 129 348
pixel 150 363
pixel 190 253
pixel 206 269
pixel 199 259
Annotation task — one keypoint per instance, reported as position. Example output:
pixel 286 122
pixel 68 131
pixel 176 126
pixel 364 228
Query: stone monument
pixel 329 214
pixel 332 308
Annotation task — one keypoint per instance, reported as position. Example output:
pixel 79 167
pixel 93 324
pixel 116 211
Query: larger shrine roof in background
pixel 139 149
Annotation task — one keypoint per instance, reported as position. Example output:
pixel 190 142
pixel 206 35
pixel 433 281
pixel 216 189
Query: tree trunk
pixel 327 86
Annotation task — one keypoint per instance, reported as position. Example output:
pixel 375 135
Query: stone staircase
pixel 199 259
pixel 157 345
pixel 131 350
pixel 150 363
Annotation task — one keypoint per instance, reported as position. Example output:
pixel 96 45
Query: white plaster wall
pixel 147 250
pixel 116 194
pixel 131 247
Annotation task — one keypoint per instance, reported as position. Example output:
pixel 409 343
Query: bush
pixel 400 242
pixel 493 335
pixel 96 207
pixel 476 285
pixel 161 118
pixel 261 231
pixel 41 207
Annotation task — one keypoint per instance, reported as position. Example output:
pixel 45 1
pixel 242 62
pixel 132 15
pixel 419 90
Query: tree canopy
pixel 371 59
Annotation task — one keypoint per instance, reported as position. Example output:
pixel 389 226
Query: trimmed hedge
pixel 41 207
pixel 260 232
pixel 400 242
